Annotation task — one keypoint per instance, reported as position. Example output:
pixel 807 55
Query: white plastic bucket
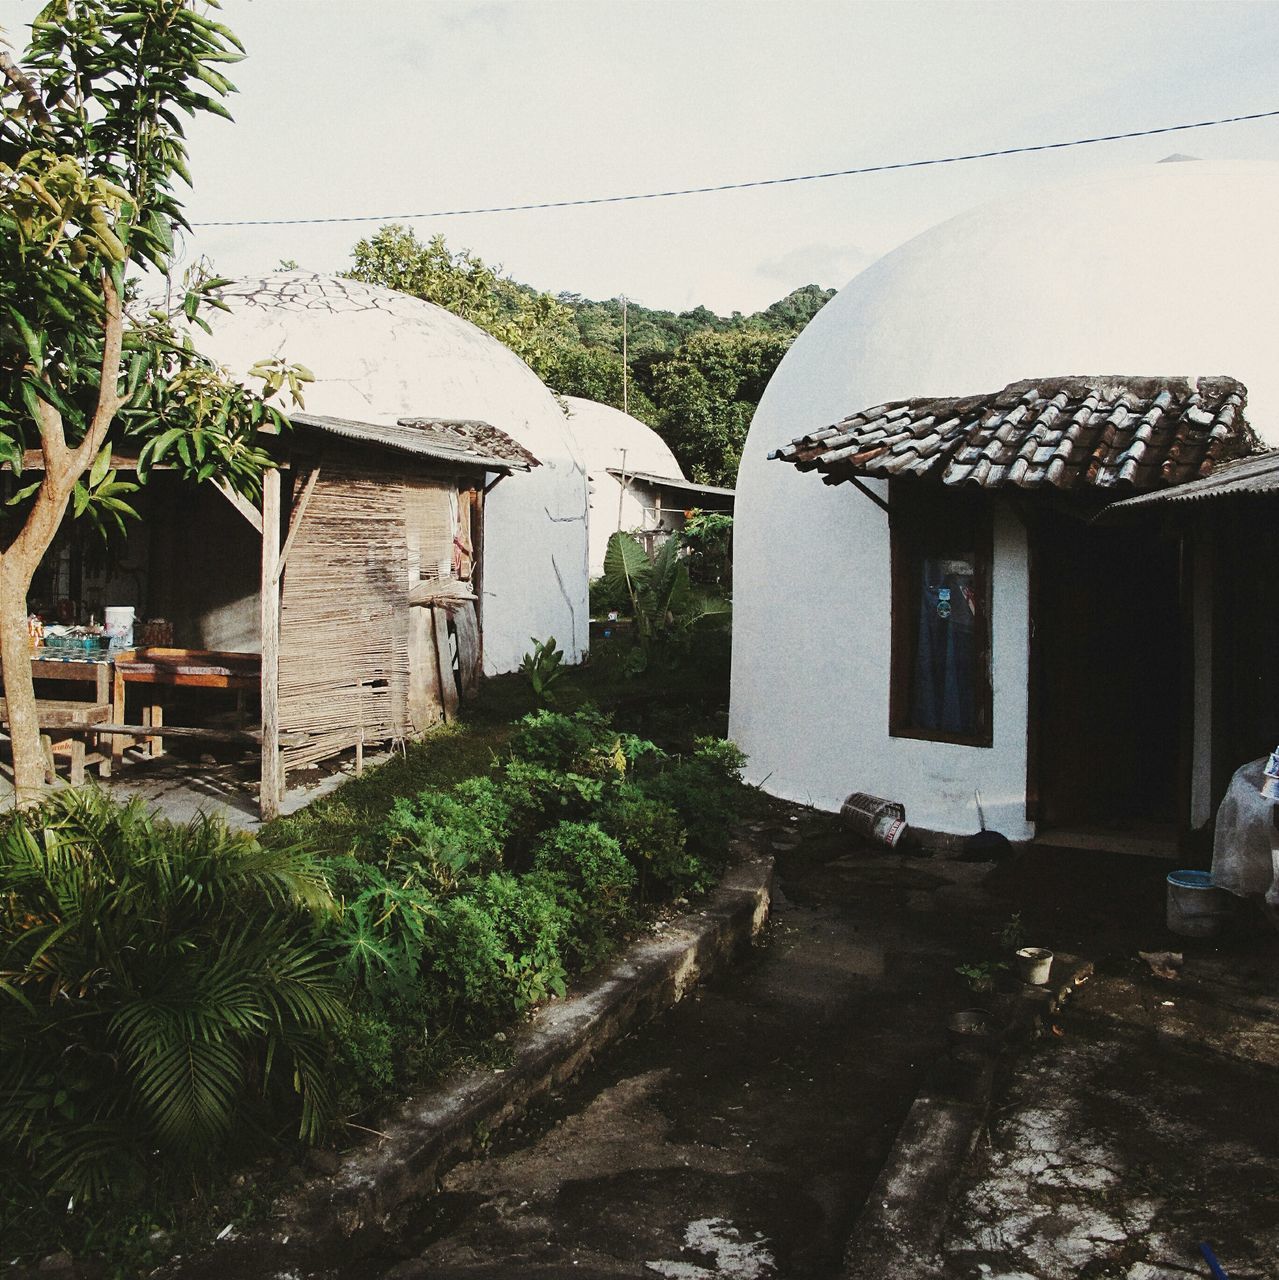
pixel 119 626
pixel 1196 907
pixel 1034 964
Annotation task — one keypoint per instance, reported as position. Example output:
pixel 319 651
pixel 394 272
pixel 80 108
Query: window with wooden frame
pixel 941 600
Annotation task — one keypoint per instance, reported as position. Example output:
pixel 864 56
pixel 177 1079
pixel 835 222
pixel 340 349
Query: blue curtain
pixel 945 684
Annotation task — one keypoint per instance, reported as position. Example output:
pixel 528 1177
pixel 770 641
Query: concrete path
pixel 739 1136
pixel 1150 1124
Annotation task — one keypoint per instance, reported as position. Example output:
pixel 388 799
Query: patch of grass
pixel 348 819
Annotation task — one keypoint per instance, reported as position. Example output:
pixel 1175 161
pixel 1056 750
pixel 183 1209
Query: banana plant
pixel 661 597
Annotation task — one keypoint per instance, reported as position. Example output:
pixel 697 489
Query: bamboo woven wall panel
pixel 344 616
pixel 429 516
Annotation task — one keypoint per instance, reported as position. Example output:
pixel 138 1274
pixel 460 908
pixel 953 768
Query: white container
pixel 1034 964
pixel 119 626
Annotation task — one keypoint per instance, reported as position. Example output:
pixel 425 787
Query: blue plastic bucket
pixel 1196 907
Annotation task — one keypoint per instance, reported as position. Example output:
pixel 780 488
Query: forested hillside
pixel 694 376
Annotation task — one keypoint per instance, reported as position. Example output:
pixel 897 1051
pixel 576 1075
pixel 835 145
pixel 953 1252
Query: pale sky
pixel 398 106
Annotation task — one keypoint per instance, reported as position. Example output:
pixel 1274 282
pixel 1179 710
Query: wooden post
pixel 269 794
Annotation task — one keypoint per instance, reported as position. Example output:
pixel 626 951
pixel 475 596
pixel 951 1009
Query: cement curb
pixel 899 1233
pixel 350 1212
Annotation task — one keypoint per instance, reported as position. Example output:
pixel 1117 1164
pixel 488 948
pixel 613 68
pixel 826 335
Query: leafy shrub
pixel 666 612
pixel 599 880
pixel 584 742
pixel 365 1058
pixel 540 796
pixel 701 789
pixel 380 934
pixel 528 910
pixel 161 988
pixel 445 839
pixel 543 667
pixel 652 838
pixel 464 960
pixel 483 797
pixel 496 949
pixel 608 596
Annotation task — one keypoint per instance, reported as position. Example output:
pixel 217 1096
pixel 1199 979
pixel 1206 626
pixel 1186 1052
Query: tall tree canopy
pixel 92 151
pixel 695 376
pixel 460 282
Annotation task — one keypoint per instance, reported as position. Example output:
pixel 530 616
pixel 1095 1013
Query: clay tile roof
pixel 1129 435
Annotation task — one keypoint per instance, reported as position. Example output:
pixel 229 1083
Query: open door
pixel 1107 743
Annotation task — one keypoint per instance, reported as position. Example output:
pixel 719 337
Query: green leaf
pixel 101 465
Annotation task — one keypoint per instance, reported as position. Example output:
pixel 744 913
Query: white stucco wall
pixel 377 356
pixel 1162 269
pixel 607 437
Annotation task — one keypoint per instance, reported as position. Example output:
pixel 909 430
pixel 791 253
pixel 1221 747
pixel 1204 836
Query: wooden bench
pixel 64 728
pixel 161 667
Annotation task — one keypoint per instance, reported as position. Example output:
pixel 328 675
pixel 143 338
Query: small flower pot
pixel 1034 964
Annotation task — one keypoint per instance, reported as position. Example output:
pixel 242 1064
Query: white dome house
pixel 629 467
pixel 380 357
pixel 943 619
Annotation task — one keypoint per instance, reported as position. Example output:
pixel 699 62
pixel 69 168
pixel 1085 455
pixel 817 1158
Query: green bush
pixel 529 911
pixel 162 989
pixel 599 881
pixel 583 743
pixel 496 950
pixel 444 839
pixel 464 963
pixel 380 934
pixel 540 796
pixel 701 789
pixel 653 839
pixel 365 1058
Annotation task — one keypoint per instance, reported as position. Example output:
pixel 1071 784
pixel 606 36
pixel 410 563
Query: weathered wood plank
pixel 444 654
pixel 272 784
pixel 468 647
pixel 426 707
pixel 295 518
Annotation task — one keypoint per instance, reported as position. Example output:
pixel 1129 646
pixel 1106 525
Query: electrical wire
pixel 742 186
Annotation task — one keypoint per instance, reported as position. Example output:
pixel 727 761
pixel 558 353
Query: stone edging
pixel 351 1211
pixel 898 1234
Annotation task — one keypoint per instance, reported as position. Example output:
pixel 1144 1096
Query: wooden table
pixel 176 668
pixel 72 664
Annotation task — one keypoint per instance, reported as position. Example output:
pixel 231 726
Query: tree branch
pixel 109 398
pixel 15 75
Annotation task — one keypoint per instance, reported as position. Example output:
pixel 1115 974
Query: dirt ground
pixel 737 1137
pixel 740 1135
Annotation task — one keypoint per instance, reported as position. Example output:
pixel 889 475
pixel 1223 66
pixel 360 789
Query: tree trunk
pixel 19 690
pixel 63 466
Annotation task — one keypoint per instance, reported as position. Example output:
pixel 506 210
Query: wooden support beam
pixel 444 656
pixel 870 493
pixel 272 785
pixel 242 504
pixel 247 737
pixel 295 518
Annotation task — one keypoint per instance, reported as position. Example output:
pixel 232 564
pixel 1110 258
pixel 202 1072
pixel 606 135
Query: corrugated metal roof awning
pixel 461 442
pixel 1252 476
pixel 671 482
pixel 1066 433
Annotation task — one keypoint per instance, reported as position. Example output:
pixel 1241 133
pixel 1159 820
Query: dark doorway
pixel 1108 632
